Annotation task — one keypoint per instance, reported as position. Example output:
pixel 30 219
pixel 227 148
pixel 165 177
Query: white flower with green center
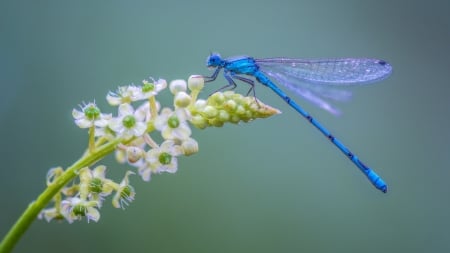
pixel 94 185
pixel 125 193
pixel 150 88
pixel 129 123
pixel 90 115
pixel 76 208
pixel 173 124
pixel 160 159
pixel 123 95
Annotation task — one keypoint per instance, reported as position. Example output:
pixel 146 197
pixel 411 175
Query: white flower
pixel 173 124
pixel 161 159
pixel 94 184
pixel 50 214
pixel 76 208
pixel 124 95
pixel 150 89
pixel 125 193
pixel 90 115
pixel 129 123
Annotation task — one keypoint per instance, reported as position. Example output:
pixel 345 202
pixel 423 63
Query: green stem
pixel 28 216
pixel 153 108
pixel 92 139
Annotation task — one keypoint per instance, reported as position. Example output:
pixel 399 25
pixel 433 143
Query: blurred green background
pixel 274 185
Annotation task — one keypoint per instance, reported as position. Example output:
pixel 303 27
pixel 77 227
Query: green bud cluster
pixel 223 107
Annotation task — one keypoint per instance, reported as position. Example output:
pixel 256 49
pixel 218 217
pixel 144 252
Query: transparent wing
pixel 346 71
pixel 320 81
pixel 317 95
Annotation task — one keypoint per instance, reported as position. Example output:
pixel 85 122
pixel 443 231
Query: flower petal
pixel 125 109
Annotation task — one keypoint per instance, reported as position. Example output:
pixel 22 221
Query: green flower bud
pixel 223 107
pixel 210 112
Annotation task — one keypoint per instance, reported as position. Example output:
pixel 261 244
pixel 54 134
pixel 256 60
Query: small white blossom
pixel 161 159
pixel 125 193
pixel 129 123
pixel 90 115
pixel 76 208
pixel 123 95
pixel 150 89
pixel 50 214
pixel 94 184
pixel 173 124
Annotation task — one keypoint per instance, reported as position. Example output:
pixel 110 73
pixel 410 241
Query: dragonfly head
pixel 214 60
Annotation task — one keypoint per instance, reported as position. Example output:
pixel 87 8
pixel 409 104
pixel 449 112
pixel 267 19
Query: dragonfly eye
pixel 213 60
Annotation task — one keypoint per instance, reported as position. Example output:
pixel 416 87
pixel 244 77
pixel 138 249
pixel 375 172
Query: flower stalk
pixel 129 135
pixel 30 214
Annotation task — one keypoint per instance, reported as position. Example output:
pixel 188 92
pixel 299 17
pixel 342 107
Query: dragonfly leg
pixel 213 76
pixel 252 86
pixel 230 86
pixel 248 81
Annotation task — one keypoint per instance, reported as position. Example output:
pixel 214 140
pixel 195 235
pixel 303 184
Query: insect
pixel 320 74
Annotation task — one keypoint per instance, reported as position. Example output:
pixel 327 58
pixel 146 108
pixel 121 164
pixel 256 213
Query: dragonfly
pixel 315 80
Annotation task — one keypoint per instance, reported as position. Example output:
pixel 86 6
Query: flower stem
pixel 92 139
pixel 153 108
pixel 28 216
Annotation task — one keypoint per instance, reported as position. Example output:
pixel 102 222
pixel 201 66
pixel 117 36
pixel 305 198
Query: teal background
pixel 274 185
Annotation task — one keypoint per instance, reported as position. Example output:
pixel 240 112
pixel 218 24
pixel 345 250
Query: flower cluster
pixel 139 116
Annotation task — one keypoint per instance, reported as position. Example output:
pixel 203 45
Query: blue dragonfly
pixel 315 80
